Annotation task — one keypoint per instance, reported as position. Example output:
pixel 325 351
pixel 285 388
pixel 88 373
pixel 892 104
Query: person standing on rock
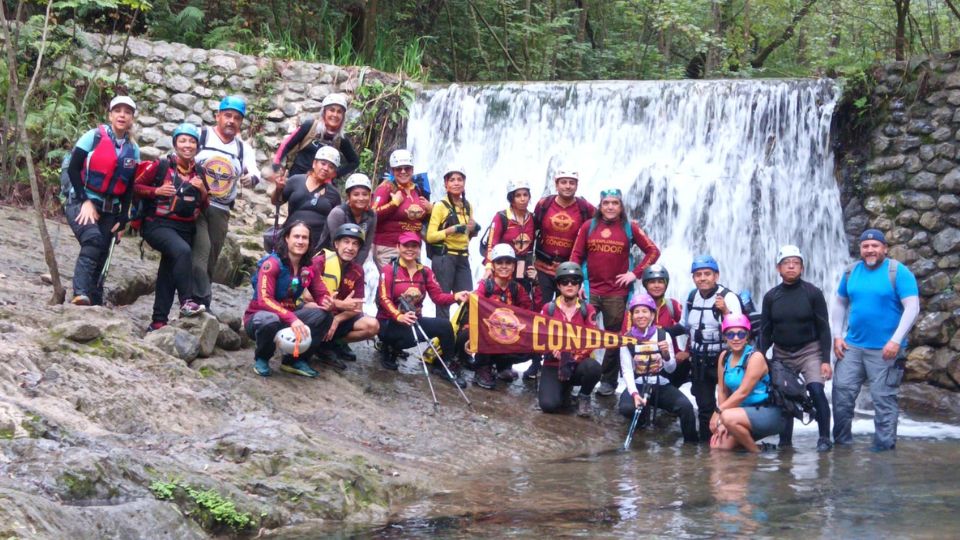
pixel 224 160
pixel 503 287
pixel 795 323
pixel 878 298
pixel 101 171
pixel 556 222
pixel 603 249
pixel 564 370
pixel 355 210
pixel 646 364
pixel 404 282
pixel 173 193
pixel 707 305
pixel 449 232
pixel 400 206
pixel 342 277
pixel 310 197
pixel 296 152
pixel 278 303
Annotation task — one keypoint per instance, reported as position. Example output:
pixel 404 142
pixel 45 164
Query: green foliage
pixel 210 509
pixel 383 110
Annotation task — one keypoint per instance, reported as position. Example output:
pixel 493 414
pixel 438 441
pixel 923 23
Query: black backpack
pixel 485 239
pixel 788 391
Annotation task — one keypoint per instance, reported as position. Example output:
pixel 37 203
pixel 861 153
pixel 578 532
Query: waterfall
pixel 734 168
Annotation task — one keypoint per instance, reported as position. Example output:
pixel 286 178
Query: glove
pixel 567 365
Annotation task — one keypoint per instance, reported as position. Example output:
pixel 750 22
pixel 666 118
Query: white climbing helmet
pixel 335 99
pixel 357 180
pixel 514 185
pixel 328 153
pixel 401 158
pixel 287 342
pixel 789 250
pixel 502 251
pixel 566 173
pixel 455 168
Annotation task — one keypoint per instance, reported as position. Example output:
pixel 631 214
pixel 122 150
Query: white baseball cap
pixel 123 100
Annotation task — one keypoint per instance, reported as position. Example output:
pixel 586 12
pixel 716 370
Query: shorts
pixel 345 327
pixel 806 361
pixel 765 420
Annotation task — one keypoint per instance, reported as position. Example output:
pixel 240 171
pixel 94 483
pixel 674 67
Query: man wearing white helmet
pixel 310 197
pixel 449 232
pixel 356 210
pixel 297 150
pixel 400 206
pixel 795 323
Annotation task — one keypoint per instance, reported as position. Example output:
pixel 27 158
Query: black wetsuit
pixel 792 316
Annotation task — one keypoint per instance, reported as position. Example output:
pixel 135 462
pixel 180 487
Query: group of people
pixel 567 259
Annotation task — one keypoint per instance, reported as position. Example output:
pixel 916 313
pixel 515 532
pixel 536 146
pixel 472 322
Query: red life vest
pixel 106 172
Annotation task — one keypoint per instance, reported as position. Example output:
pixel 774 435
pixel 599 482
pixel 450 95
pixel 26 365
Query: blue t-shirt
pixel 875 307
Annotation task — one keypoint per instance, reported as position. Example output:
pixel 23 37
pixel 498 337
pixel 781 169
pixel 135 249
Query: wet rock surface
pixel 94 426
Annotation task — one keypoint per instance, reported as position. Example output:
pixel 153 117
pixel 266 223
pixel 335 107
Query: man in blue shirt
pixel 881 298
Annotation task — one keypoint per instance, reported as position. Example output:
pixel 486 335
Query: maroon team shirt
pixel 607 255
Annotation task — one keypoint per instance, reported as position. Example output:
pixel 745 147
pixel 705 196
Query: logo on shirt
pixel 503 326
pixel 561 222
pixel 414 212
pixel 220 175
pixel 522 242
pixel 605 233
pixel 413 296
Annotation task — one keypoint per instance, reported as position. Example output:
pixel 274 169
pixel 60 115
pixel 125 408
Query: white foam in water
pixel 734 168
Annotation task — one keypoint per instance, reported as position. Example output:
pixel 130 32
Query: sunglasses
pixel 567 281
pixel 611 193
pixel 740 334
pixel 405 168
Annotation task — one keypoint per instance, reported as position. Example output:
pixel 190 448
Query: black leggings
pixel 551 391
pixel 400 336
pixel 173 241
pixel 666 398
pixel 822 407
pixel 704 390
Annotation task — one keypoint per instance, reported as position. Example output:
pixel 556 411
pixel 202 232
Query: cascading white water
pixel 734 168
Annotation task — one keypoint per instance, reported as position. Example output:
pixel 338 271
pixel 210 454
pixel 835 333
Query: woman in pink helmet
pixel 644 365
pixel 745 412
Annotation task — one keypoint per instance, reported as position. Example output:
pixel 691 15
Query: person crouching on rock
pixel 278 302
pixel 744 412
pixel 644 364
pixel 562 371
pixel 173 193
pixel 502 286
pixel 101 170
pixel 403 284
pixel 338 273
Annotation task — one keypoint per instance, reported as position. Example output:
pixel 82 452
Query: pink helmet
pixel 735 321
pixel 644 300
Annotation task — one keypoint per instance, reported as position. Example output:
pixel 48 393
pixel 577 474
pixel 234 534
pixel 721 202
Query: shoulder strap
pixel 163 166
pixel 488 287
pixel 848 271
pixel 514 289
pixel 892 273
pixel 552 308
pixel 584 209
pixel 539 212
pixel 671 309
pixel 203 138
pixel 583 309
pixel 504 220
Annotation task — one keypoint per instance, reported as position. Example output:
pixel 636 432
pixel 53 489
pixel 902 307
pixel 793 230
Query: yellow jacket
pixel 438 221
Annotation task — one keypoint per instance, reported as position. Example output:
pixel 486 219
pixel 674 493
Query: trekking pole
pixel 442 363
pixel 633 426
pixel 106 264
pixel 426 372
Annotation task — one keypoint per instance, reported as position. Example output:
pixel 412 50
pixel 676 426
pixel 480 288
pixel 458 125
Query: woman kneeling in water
pixel 745 413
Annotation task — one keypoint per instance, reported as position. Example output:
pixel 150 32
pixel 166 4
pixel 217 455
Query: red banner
pixel 496 328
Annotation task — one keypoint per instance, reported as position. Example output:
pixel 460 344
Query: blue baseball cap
pixel 873 234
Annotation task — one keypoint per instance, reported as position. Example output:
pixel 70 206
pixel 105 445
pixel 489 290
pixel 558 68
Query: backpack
pixel 144 207
pixel 203 146
pixel 788 391
pixel 308 138
pixel 552 308
pixel 66 187
pixel 891 273
pixel 284 280
pixel 541 209
pixel 485 239
pixel 453 219
pixel 512 287
pixel 627 228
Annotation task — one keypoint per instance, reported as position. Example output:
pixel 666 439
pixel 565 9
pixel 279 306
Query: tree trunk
pixel 370 28
pixel 900 42
pixel 713 52
pixel 762 56
pixel 59 294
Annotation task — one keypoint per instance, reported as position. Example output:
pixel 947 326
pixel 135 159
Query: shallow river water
pixel 663 489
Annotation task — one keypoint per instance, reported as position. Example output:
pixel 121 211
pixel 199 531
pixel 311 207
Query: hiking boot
pixel 299 367
pixel 533 371
pixel 483 377
pixel 437 369
pixel 343 351
pixel 508 375
pixel 80 300
pixel 156 325
pixel 332 360
pixel 388 360
pixel 262 367
pixel 824 444
pixel 606 389
pixel 767 447
pixel 191 309
pixel 584 408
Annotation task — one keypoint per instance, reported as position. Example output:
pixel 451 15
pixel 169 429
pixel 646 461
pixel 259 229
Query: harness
pixel 453 219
